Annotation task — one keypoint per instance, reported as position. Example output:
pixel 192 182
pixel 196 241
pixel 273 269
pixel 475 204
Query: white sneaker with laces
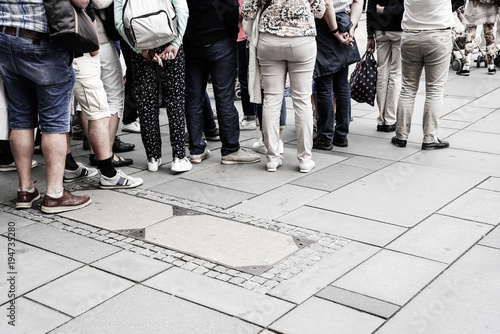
pixel 12 166
pixel 181 165
pixel 134 127
pixel 197 158
pixel 119 181
pixel 81 173
pixel 272 166
pixel 306 166
pixel 248 125
pixel 259 146
pixel 153 164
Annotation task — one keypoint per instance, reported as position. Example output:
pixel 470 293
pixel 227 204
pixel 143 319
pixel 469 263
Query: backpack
pixel 149 24
pixel 107 16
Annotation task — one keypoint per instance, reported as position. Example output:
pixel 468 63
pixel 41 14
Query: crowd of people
pixel 306 43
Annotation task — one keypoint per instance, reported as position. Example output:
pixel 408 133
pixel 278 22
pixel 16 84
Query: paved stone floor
pixel 376 239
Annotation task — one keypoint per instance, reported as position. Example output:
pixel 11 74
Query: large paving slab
pixel 147 311
pixel 13 221
pixel 492 239
pixel 476 141
pixel 221 240
pixel 34 267
pixel 220 296
pixel 475 85
pixel 366 162
pixel 313 279
pixel 489 100
pixel 31 318
pixel 440 238
pixel 400 194
pixel 478 204
pixel 113 210
pixel 278 202
pixel 493 183
pixel 131 266
pixel 318 316
pixel 65 243
pixel 350 227
pixel 391 276
pixel 464 299
pixel 79 291
pixel 490 123
pixel 468 114
pixel 202 193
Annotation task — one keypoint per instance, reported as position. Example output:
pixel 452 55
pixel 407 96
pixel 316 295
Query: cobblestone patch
pixel 322 244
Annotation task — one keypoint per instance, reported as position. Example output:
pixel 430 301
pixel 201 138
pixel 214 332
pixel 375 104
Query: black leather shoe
pixel 398 142
pixel 390 128
pixel 380 128
pixel 436 145
pixel 322 145
pixel 119 146
pixel 340 142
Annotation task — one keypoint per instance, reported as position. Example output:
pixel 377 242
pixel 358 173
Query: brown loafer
pixel 66 202
pixel 25 199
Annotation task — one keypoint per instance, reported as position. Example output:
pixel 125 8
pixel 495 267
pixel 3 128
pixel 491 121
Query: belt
pixel 24 33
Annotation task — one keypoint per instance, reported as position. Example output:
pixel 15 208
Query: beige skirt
pixel 479 13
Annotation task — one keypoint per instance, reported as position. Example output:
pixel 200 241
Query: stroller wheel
pixel 478 61
pixel 237 91
pixel 456 64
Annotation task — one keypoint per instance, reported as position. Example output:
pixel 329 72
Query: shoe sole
pixel 229 162
pixel 198 161
pixel 434 148
pixel 132 131
pixel 175 170
pixel 248 129
pixel 120 187
pixel 26 205
pixel 58 209
pixel 306 170
pixel 80 177
pixel 324 148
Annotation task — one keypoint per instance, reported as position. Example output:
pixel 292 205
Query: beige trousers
pixel 389 75
pixel 427 51
pixel 277 56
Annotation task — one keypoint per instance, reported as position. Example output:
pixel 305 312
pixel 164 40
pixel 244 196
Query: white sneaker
pixel 307 166
pixel 12 166
pixel 81 173
pixel 119 181
pixel 248 125
pixel 272 166
pixel 153 164
pixel 134 127
pixel 259 147
pixel 181 165
pixel 197 158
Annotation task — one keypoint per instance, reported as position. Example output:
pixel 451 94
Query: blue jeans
pixel 39 80
pixel 326 87
pixel 218 60
pixel 248 107
pixel 208 114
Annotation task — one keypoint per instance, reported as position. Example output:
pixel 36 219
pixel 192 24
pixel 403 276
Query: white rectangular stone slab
pixel 79 291
pixel 401 194
pixel 464 299
pixel 314 278
pixel 350 227
pixel 476 141
pixel 478 205
pixel 468 114
pixel 132 266
pixel 31 318
pixel 493 183
pixel 318 316
pixel 473 162
pixel 366 162
pixel 440 238
pixel 16 222
pixel 277 202
pixel 224 297
pixel 489 100
pixel 391 276
pixel 221 240
pixel 202 193
pixel 490 123
pixel 65 243
pixel 113 210
pixel 492 239
pixel 147 311
pixel 477 83
pixel 34 267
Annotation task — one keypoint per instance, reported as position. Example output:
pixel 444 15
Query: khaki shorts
pixel 89 90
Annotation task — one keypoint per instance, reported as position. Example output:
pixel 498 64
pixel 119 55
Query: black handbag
pixel 364 80
pixel 70 27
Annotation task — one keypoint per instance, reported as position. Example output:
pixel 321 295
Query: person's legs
pixel 342 92
pixel 222 64
pixel 411 70
pixel 470 35
pixel 324 108
pixel 301 60
pixel 436 48
pixel 248 107
pixel 489 37
pixel 208 114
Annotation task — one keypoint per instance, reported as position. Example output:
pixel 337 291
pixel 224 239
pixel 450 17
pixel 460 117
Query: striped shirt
pixel 342 6
pixel 26 14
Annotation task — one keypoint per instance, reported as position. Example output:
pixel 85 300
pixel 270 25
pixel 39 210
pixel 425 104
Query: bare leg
pixel 22 145
pixel 98 135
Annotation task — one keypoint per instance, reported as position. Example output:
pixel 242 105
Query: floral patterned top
pixel 286 18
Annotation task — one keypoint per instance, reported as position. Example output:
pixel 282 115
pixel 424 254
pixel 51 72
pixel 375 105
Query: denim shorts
pixel 39 81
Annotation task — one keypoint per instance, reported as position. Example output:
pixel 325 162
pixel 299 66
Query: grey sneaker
pixel 81 173
pixel 197 158
pixel 240 157
pixel 248 124
pixel 119 181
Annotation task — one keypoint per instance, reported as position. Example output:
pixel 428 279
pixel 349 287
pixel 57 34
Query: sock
pixel 56 195
pixel 466 68
pixel 106 167
pixel 70 162
pixel 31 191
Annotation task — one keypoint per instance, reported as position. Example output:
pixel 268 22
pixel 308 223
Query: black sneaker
pixel 464 73
pixel 398 142
pixel 492 71
pixel 340 142
pixel 322 145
